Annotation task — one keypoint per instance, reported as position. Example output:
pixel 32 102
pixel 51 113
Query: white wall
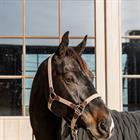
pixel 15 128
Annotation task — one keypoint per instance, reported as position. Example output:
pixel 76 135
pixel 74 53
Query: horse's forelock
pixel 78 58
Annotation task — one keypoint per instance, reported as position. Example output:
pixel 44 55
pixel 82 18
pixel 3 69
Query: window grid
pixel 131 76
pixel 131 104
pixel 44 37
pixel 131 37
pixel 24 37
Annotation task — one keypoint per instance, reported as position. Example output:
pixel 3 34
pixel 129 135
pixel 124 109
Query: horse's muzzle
pixel 101 129
pixel 105 129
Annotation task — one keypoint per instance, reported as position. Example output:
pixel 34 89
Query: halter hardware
pixel 78 109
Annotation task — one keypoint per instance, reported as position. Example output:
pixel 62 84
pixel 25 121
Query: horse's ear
pixel 61 51
pixel 81 47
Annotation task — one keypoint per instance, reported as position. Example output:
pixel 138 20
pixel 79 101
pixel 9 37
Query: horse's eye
pixel 69 78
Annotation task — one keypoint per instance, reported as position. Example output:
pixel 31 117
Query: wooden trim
pixel 14 77
pixel 43 37
pixel 18 128
pixel 24 57
pixel 113 55
pixel 14 117
pixel 131 37
pixel 59 19
pixel 100 48
pixel 131 76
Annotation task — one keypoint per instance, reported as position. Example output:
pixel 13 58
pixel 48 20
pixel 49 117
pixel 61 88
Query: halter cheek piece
pixel 78 109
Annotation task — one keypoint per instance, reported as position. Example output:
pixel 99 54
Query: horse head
pixel 72 91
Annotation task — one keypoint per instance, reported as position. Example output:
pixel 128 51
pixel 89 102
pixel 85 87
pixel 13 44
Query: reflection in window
pixel 10 60
pixel 78 17
pixel 10 97
pixel 42 17
pixel 130 15
pixel 9 25
pixel 90 60
pixel 131 66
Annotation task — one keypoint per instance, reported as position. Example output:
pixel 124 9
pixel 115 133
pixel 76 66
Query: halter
pixel 78 109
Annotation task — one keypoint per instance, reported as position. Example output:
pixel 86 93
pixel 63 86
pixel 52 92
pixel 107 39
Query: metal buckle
pixel 52 96
pixel 78 110
pixel 52 93
pixel 74 133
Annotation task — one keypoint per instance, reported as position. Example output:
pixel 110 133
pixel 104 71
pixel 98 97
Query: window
pixel 131 54
pixel 28 39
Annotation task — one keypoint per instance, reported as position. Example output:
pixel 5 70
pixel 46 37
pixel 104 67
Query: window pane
pixel 37 51
pixel 30 73
pixel 131 96
pixel 42 42
pixel 124 63
pixel 28 91
pixel 130 16
pixel 27 100
pixel 31 63
pixel 131 57
pixel 75 42
pixel 42 57
pixel 10 97
pixel 78 17
pixel 42 17
pixel 10 41
pixel 10 59
pixel 90 60
pixel 9 25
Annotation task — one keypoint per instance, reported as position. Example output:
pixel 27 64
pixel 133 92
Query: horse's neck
pixel 49 126
pixel 63 126
pixel 65 131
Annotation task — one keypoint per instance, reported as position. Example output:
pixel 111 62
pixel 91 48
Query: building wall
pixel 15 128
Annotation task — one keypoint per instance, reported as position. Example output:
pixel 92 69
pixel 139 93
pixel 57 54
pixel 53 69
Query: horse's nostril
pixel 103 128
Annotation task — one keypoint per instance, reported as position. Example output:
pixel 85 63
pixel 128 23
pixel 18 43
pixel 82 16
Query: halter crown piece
pixel 78 109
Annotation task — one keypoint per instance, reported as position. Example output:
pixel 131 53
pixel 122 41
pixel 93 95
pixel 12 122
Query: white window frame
pixel 108 51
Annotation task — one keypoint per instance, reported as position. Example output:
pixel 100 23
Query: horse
pixel 63 89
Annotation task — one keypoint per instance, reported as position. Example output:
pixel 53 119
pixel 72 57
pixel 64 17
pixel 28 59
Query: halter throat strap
pixel 78 109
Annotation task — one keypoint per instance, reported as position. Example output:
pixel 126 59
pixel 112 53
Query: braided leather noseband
pixel 78 109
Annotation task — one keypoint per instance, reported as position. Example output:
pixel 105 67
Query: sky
pixel 42 18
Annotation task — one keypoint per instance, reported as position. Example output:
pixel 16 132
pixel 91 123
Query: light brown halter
pixel 78 108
